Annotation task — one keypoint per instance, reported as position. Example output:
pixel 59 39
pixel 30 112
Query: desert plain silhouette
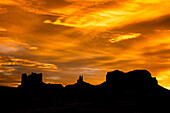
pixel 132 92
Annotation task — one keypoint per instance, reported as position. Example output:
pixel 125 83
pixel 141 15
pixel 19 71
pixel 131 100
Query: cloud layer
pixel 65 38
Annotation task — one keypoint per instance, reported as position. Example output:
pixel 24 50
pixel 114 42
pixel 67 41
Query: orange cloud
pixel 124 14
pixel 164 78
pixel 9 61
pixel 2 29
pixel 8 2
pixel 8 44
pixel 87 37
pixel 125 37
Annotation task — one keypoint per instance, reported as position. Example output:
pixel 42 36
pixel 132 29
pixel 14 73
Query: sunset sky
pixel 66 38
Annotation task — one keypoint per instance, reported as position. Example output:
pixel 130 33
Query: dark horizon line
pixel 133 76
pixel 141 74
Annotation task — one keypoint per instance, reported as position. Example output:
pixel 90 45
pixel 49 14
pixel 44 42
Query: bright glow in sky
pixel 65 38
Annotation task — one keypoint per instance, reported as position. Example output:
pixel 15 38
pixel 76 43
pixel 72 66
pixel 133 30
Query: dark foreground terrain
pixel 84 100
pixel 133 92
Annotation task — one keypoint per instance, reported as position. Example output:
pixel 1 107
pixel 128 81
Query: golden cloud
pixel 9 61
pixel 164 78
pixel 2 29
pixel 8 2
pixel 125 37
pixel 8 44
pixel 89 37
pixel 75 16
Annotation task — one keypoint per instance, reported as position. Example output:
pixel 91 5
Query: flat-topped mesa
pixel 34 81
pixel 140 77
pixel 136 78
pixel 118 80
pixel 114 76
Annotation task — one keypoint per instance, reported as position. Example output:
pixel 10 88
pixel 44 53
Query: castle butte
pixel 137 79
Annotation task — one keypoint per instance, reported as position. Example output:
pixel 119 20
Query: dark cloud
pixel 84 62
pixel 6 80
pixel 146 27
pixel 163 52
pixel 54 4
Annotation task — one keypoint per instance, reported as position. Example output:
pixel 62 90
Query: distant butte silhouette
pixel 137 79
pixel 34 81
pixel 133 79
pixel 80 84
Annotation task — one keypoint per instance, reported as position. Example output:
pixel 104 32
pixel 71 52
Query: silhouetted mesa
pixel 35 81
pixel 132 79
pixel 132 92
pixel 118 80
